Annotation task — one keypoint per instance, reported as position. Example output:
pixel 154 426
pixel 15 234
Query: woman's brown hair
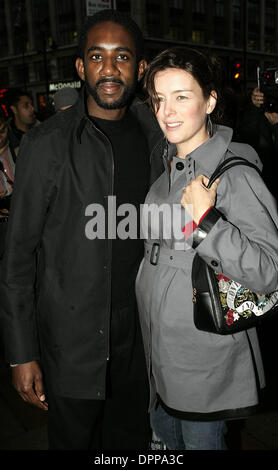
pixel 205 70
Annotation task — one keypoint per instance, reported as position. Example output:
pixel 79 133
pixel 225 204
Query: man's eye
pixel 95 57
pixel 123 57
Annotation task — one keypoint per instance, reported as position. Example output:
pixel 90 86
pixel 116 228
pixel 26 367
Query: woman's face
pixel 182 109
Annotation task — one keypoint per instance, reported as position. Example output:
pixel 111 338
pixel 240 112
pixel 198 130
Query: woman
pixel 200 380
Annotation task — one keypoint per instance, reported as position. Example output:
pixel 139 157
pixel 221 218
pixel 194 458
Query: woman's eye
pixel 160 99
pixel 182 97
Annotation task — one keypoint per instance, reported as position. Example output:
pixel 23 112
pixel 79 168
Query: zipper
pixel 109 242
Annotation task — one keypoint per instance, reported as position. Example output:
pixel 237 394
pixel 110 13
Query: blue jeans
pixel 179 434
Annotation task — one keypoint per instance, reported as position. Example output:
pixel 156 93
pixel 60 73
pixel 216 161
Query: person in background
pixel 23 115
pixel 199 380
pixel 7 168
pixel 65 98
pixel 68 305
pixel 259 129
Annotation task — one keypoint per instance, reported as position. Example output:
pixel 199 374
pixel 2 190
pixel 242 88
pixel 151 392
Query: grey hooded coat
pixel 206 375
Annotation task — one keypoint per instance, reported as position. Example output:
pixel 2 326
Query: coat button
pixel 179 166
pixel 214 263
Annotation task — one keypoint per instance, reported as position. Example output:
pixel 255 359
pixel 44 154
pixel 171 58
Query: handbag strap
pixel 227 164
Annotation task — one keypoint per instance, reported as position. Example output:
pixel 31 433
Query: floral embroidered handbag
pixel 221 305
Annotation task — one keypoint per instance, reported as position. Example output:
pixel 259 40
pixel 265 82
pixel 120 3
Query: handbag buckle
pixel 194 299
pixel 155 254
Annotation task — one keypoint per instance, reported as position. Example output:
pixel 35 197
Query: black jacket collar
pixel 137 107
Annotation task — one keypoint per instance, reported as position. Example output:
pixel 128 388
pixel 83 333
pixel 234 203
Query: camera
pixel 268 84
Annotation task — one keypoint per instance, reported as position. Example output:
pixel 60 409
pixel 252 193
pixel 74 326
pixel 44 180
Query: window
pixel 66 23
pixel 198 36
pixel 123 5
pixel 3 33
pixel 21 74
pixel 66 67
pixel 198 6
pixel 219 23
pixel 270 15
pixel 39 71
pixel 237 11
pixel 176 20
pixel 40 14
pixel 153 18
pixel 4 74
pixel 219 8
pixel 19 23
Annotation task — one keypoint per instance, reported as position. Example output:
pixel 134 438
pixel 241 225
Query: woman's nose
pixel 168 108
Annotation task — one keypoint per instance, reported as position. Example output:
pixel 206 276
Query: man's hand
pixel 27 380
pixel 198 197
pixel 257 97
pixel 272 118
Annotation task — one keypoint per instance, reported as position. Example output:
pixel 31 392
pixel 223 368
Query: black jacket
pixel 254 129
pixel 55 282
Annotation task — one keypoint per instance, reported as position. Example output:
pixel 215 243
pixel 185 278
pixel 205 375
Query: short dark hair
pixel 116 17
pixel 15 94
pixel 206 71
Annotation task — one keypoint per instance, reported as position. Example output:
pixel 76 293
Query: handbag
pixel 221 305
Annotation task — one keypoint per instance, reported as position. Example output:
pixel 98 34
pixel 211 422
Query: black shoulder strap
pixel 227 164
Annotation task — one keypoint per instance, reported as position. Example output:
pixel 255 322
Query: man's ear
pixel 14 109
pixel 79 64
pixel 141 68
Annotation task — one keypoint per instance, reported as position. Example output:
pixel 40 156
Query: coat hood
pixel 220 146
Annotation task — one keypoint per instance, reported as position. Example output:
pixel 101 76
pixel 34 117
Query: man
pixel 79 326
pixel 65 98
pixel 24 118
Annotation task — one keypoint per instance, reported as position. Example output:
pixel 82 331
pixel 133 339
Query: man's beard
pixel 122 102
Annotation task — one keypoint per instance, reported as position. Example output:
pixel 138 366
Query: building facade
pixel 38 38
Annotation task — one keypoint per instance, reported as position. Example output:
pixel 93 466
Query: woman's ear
pixel 211 103
pixel 141 68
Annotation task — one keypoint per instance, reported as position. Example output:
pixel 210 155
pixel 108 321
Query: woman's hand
pixel 197 199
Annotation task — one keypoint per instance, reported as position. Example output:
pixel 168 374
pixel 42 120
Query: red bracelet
pixel 189 228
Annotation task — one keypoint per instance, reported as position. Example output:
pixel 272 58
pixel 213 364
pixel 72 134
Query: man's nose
pixel 109 68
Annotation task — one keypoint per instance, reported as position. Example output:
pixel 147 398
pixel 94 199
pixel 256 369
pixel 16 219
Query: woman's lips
pixel 172 126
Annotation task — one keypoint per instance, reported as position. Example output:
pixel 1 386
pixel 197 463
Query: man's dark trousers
pixel 121 421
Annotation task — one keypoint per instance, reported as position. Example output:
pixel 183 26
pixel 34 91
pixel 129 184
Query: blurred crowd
pixel 17 118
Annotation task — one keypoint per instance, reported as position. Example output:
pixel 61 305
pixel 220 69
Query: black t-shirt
pixel 131 181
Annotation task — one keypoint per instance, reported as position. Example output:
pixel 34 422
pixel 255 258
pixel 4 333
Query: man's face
pixel 3 134
pixel 24 111
pixel 109 68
